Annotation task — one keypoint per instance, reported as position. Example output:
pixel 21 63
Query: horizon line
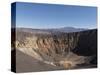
pixel 56 27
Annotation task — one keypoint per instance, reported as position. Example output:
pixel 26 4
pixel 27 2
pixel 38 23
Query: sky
pixel 42 16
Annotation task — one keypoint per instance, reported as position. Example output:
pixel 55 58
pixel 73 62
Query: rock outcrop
pixel 61 49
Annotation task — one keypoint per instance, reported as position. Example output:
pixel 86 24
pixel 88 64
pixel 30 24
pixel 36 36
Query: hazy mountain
pixel 52 30
pixel 68 29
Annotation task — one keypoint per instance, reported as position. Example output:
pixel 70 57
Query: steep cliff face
pixel 62 49
pixel 87 43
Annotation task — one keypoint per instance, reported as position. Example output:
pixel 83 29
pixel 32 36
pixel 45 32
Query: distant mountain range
pixel 68 29
pixel 53 30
